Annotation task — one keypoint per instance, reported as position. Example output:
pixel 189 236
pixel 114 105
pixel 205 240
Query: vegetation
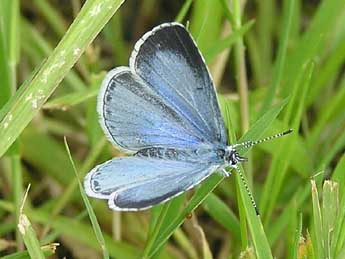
pixel 276 64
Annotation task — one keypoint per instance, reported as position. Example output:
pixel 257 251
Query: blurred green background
pixel 276 65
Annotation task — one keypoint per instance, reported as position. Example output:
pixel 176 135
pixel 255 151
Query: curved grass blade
pixel 90 211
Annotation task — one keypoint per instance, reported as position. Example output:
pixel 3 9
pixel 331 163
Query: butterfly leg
pixel 224 172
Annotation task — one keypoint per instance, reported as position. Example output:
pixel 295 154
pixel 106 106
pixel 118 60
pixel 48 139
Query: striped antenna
pixel 248 144
pixel 248 192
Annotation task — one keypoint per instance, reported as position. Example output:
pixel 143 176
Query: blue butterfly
pixel 164 109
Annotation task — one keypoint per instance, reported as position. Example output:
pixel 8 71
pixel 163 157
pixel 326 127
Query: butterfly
pixel 163 108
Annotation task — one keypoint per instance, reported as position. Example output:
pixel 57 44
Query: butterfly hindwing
pixel 135 183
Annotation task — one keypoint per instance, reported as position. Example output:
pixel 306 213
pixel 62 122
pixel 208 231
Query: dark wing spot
pixel 96 186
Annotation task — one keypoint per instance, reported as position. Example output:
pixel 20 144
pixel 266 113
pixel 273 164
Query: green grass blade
pixel 330 207
pixel 5 71
pixel 29 236
pixel 183 11
pixel 38 48
pixel 17 177
pixel 241 71
pixel 260 241
pixel 317 217
pixel 9 57
pixel 222 214
pixel 173 208
pixel 280 62
pixel 205 22
pixel 298 236
pixel 338 146
pixel 229 15
pixel 155 232
pixel 225 43
pixel 90 211
pixel 66 101
pixel 328 71
pixel 339 176
pixel 91 19
pixel 332 108
pixel 266 18
pixel 185 243
pixel 338 240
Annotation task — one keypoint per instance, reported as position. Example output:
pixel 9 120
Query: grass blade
pixel 66 101
pixel 225 43
pixel 29 237
pixel 260 241
pixel 222 214
pixel 298 236
pixel 280 62
pixel 90 211
pixel 183 11
pixel 91 19
pixel 330 205
pixel 319 249
pixel 28 234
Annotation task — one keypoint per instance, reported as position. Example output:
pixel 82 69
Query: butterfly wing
pixel 168 60
pixel 134 117
pixel 135 183
pixel 165 99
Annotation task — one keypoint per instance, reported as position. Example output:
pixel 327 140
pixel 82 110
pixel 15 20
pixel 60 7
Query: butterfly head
pixel 232 157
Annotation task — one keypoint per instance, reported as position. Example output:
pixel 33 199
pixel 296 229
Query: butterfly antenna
pixel 248 192
pixel 248 144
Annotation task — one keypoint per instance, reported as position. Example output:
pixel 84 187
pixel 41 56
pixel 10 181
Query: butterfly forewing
pixel 135 117
pixel 171 64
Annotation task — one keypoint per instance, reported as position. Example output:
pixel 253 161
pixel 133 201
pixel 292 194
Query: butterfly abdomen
pixel 193 155
pixel 161 152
